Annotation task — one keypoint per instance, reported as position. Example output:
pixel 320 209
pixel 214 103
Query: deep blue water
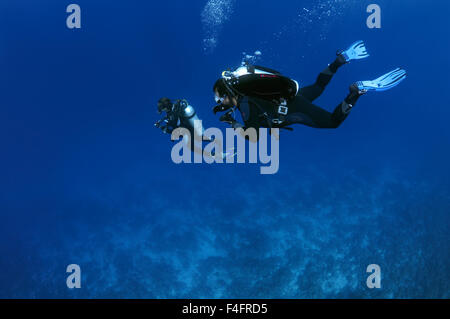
pixel 86 179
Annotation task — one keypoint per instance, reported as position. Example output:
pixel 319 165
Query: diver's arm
pixel 241 128
pixel 171 124
pixel 228 118
pixel 165 126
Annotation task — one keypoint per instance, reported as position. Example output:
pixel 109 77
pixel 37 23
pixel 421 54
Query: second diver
pixel 265 98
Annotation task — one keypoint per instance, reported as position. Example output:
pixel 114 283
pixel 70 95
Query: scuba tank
pixel 188 117
pixel 261 82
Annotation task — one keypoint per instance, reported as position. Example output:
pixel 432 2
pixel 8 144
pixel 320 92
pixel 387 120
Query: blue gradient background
pixel 85 178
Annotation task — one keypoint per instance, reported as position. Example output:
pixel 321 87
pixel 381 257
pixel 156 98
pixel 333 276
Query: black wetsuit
pixel 257 112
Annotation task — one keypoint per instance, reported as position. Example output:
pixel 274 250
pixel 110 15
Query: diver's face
pixel 225 100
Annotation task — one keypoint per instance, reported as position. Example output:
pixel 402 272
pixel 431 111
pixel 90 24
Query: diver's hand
pixel 227 118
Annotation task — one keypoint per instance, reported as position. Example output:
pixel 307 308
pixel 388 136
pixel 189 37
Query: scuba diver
pixel 265 98
pixel 180 114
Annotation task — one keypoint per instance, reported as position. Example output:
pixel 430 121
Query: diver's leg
pixel 312 92
pixel 304 112
pixel 356 51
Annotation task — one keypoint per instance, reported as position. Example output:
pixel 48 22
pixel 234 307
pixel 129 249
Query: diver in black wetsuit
pixel 265 98
pixel 258 111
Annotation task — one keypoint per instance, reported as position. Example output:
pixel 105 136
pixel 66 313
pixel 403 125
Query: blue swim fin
pixel 356 51
pixel 384 82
